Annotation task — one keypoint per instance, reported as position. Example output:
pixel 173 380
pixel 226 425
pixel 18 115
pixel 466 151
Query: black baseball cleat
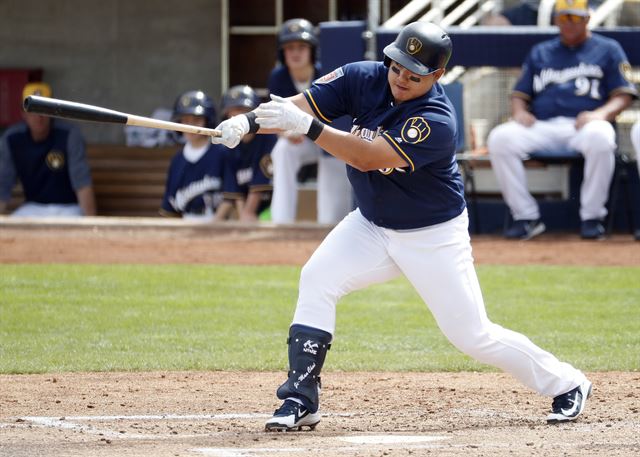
pixel 292 416
pixel 525 229
pixel 568 406
pixel 592 229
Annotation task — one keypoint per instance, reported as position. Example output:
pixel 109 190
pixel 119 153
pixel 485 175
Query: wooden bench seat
pixel 128 181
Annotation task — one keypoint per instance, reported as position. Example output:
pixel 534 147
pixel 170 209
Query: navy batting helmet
pixel 297 30
pixel 240 97
pixel 197 103
pixel 421 47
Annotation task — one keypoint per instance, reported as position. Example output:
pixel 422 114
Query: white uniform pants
pixel 334 199
pixel 32 209
pixel 635 140
pixel 512 142
pixel 437 261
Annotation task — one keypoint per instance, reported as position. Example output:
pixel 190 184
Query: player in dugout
pixel 411 219
pixel 635 141
pixel 250 161
pixel 48 157
pixel 568 96
pixel 297 69
pixel 198 174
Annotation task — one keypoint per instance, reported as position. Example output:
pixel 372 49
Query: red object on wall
pixel 12 81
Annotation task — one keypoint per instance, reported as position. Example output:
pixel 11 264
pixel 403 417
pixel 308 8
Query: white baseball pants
pixel 635 140
pixel 437 261
pixel 33 209
pixel 334 199
pixel 510 143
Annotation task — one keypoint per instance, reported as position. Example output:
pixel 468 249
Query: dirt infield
pixel 101 240
pixel 364 414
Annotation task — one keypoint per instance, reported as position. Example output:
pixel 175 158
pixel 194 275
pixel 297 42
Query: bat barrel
pixel 79 111
pixel 72 110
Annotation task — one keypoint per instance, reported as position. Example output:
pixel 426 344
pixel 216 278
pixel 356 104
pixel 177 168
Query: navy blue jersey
pixel 251 164
pixel 197 188
pixel 280 82
pixel 423 131
pixel 563 81
pixel 50 171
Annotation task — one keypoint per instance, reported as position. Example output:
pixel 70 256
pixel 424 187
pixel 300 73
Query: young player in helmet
pixel 411 220
pixel 250 161
pixel 297 45
pixel 198 173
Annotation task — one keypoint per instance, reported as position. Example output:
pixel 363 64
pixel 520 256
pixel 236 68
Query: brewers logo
pixel 55 160
pixel 413 45
pixel 627 71
pixel 266 166
pixel 415 130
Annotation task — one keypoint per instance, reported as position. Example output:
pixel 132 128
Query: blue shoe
pixel 292 416
pixel 525 229
pixel 569 406
pixel 592 229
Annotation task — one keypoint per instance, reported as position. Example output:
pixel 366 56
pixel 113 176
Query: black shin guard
pixel 307 350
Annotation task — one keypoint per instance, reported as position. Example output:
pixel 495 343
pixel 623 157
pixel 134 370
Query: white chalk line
pixel 376 442
pixel 71 423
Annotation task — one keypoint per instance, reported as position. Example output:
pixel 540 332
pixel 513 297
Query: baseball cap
pixel 39 88
pixel 575 7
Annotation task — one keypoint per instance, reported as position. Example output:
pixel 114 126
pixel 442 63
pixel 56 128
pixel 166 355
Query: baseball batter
pixel 570 91
pixel 411 220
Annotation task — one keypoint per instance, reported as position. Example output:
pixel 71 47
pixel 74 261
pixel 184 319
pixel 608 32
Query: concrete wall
pixel 128 55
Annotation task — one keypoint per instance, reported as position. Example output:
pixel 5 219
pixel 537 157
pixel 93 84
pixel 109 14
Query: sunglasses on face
pixel 396 70
pixel 570 19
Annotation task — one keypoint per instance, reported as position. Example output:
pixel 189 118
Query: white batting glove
pixel 281 113
pixel 233 129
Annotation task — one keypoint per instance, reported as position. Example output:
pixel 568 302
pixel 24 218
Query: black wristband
pixel 315 129
pixel 253 125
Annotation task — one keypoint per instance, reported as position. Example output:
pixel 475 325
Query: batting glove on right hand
pixel 233 129
pixel 281 113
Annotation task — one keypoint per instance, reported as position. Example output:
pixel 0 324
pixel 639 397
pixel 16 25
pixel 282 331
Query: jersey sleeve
pixel 166 208
pixel 230 186
pixel 327 95
pixel 79 171
pixel 262 166
pixel 524 86
pixel 7 170
pixel 422 140
pixel 617 73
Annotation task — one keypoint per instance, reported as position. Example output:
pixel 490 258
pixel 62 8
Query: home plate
pixel 390 439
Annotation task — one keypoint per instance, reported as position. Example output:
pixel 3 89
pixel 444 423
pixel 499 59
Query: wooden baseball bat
pixel 78 111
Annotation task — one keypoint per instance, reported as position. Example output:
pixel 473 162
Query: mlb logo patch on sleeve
pixel 335 74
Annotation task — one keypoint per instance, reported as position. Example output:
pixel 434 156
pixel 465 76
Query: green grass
pixel 111 317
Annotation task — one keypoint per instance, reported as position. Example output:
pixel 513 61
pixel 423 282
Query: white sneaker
pixel 292 416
